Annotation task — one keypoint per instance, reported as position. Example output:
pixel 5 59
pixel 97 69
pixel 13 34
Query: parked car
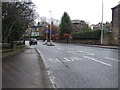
pixel 33 41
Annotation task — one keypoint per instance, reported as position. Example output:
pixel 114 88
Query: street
pixel 76 66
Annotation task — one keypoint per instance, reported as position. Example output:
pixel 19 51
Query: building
pixel 115 23
pixel 78 25
pixel 106 27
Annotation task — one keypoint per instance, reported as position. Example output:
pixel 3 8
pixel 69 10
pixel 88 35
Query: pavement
pixel 25 70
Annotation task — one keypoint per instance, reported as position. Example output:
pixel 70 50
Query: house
pixel 78 25
pixel 106 26
pixel 116 24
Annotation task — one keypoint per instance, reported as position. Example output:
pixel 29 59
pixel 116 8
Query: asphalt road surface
pixel 76 66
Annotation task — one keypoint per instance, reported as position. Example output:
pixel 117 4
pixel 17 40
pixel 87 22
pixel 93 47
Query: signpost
pixel 46 31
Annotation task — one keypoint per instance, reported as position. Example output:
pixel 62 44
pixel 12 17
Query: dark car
pixel 33 41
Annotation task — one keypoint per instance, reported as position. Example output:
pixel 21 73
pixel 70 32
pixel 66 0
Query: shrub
pixel 66 35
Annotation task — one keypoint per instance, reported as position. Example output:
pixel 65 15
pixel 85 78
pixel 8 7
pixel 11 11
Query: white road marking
pixel 97 61
pixel 86 52
pixel 67 59
pixel 90 53
pixel 80 51
pixel 49 59
pixel 60 48
pixel 112 59
pixel 72 59
pixel 69 51
pixel 52 79
pixel 72 52
pixel 57 60
pixel 69 48
pixel 76 58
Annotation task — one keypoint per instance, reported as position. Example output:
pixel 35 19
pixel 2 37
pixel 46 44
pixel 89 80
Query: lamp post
pixel 50 29
pixel 50 24
pixel 102 25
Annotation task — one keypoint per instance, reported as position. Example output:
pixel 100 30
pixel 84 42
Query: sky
pixel 87 10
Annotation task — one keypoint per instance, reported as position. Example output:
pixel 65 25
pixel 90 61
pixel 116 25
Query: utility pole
pixel 102 24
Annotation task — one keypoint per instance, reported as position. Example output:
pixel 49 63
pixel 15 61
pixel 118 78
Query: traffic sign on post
pixel 46 31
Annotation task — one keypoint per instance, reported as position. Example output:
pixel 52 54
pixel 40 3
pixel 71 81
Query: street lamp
pixel 102 25
pixel 50 23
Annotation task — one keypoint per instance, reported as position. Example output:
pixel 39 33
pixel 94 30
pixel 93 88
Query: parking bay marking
pixel 97 61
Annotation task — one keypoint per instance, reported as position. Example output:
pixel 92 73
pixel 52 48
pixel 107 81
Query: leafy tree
pixel 65 25
pixel 16 16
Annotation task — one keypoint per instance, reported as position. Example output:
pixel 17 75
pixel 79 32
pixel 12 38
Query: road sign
pixel 46 31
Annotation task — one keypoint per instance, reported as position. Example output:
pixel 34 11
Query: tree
pixel 65 25
pixel 16 16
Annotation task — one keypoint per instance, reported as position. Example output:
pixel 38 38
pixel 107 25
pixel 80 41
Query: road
pixel 76 66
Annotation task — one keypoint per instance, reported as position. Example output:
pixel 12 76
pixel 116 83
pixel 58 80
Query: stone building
pixel 78 25
pixel 115 24
pixel 106 26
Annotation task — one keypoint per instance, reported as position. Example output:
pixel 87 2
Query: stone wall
pixel 115 24
pixel 94 42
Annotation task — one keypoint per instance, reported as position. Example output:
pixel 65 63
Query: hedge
pixel 87 35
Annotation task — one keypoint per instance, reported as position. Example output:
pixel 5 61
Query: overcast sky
pixel 87 10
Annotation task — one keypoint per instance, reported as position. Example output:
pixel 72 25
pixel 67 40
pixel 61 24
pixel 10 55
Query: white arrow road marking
pixel 97 61
pixel 112 59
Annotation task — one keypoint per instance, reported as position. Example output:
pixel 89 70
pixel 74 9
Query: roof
pixel 76 21
pixel 116 6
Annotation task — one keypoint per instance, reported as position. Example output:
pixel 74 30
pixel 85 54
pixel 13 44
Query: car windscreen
pixel 33 39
